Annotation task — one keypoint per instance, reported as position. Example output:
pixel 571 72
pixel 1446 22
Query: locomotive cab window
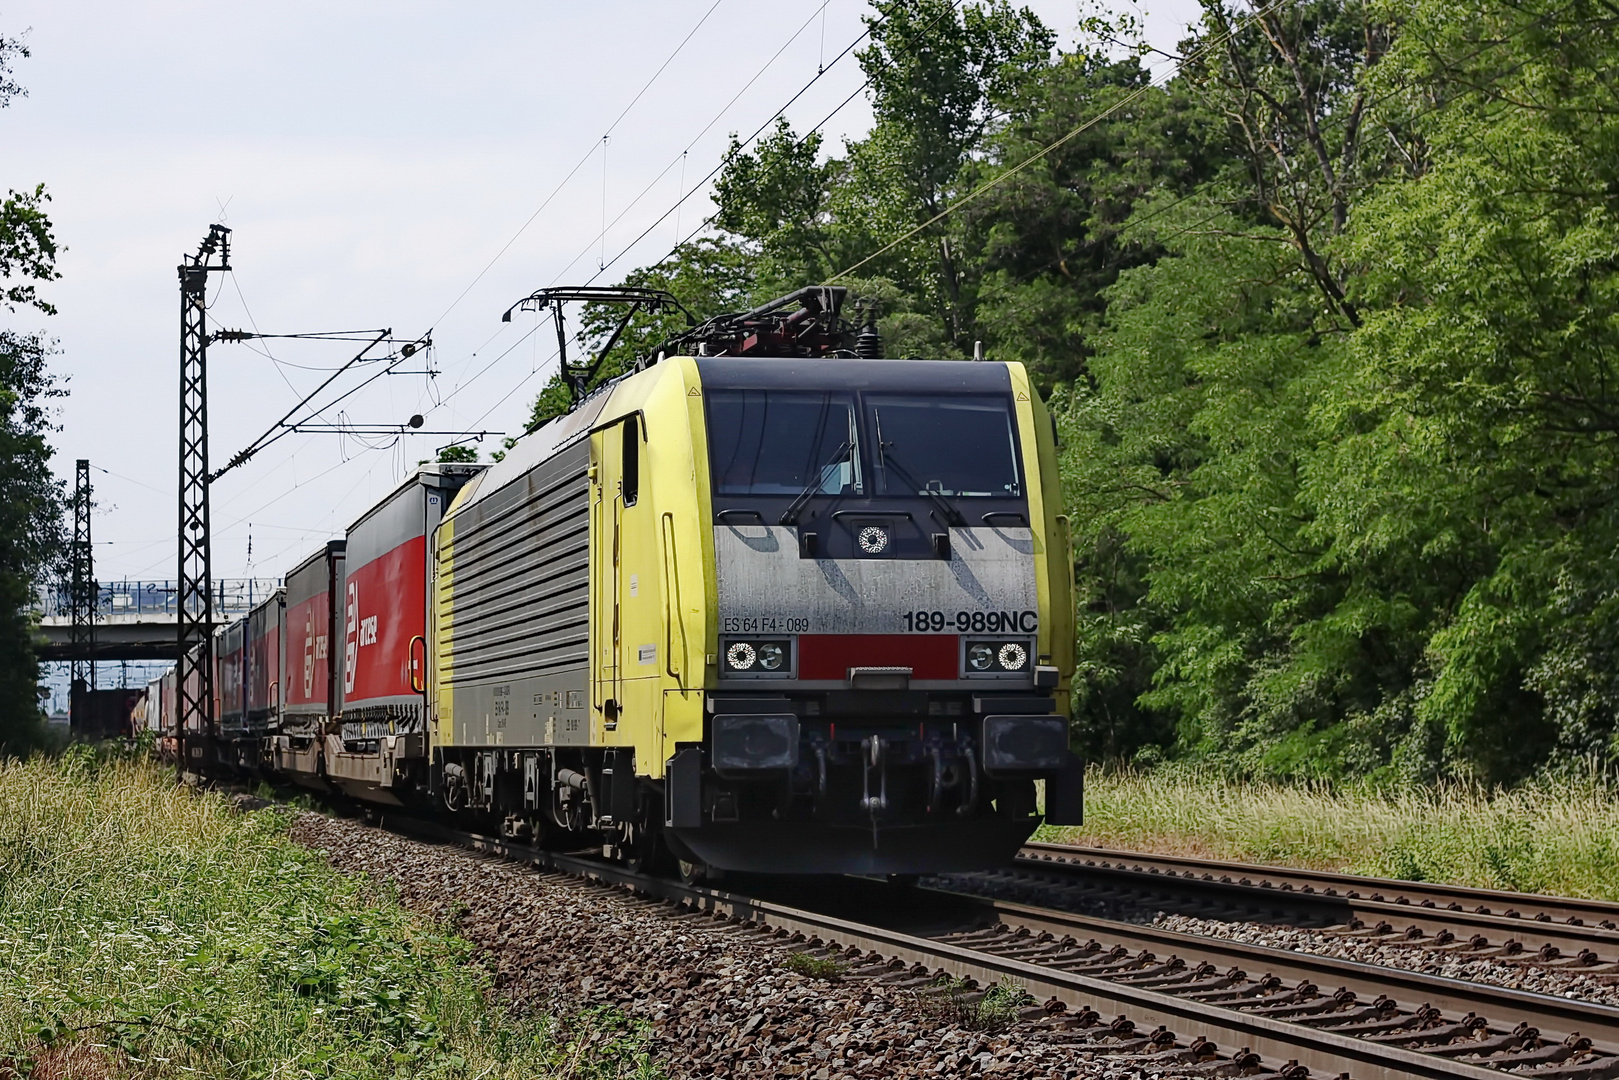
pixel 777 442
pixel 954 446
pixel 630 461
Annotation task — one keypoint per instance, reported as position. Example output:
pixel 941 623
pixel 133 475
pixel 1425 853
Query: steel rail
pixel 1321 1051
pixel 1419 917
pixel 1496 901
pixel 1554 1016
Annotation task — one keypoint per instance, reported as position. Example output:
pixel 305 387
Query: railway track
pixel 1179 1004
pixel 1537 931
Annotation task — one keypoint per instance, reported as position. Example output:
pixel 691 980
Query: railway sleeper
pixel 1522 1035
pixel 1466 1027
pixel 1602 1068
pixel 1200 1050
pixel 1337 1004
pixel 1576 1045
pixel 1425 1016
pixel 1381 1009
pixel 1257 989
pixel 1185 979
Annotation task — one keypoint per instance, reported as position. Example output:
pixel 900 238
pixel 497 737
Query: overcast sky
pixel 373 159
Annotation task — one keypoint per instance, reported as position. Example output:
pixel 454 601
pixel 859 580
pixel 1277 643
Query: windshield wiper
pixel 952 516
pixel 789 516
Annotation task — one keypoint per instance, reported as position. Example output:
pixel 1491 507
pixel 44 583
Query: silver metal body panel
pixel 516 616
pixel 761 576
pixel 986 587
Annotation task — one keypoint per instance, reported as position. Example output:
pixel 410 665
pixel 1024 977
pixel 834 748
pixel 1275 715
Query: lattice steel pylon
pixel 194 672
pixel 82 593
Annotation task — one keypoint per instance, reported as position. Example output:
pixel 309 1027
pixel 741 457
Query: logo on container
pixel 309 655
pixel 351 635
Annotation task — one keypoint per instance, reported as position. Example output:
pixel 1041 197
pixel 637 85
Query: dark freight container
pixel 310 667
pixel 264 665
pixel 230 683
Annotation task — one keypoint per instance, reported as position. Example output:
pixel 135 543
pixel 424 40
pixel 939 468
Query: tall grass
pixel 146 930
pixel 1551 838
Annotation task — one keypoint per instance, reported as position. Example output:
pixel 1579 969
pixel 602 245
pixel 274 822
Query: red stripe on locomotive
pixel 830 656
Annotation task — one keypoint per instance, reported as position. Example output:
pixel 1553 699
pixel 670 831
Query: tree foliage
pixel 31 499
pixel 1327 319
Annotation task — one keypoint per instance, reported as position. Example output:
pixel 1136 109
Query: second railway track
pixel 1191 1005
pixel 1543 931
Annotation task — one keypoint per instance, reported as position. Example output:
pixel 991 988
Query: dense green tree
pixel 31 500
pixel 939 74
pixel 1327 322
pixel 775 202
pixel 1054 236
pixel 1204 612
pixel 1472 448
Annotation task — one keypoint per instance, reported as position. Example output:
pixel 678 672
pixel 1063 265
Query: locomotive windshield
pixel 778 442
pixel 957 446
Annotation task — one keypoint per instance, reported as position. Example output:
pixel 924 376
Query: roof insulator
pixel 869 345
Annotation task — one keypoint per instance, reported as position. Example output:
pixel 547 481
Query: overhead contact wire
pixel 678 159
pixel 581 164
pixel 709 220
pixel 726 159
pixel 1040 154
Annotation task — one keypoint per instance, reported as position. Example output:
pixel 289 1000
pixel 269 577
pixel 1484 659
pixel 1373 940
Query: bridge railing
pixel 233 597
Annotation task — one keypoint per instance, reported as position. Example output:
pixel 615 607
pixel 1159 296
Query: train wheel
pixel 644 852
pixel 694 872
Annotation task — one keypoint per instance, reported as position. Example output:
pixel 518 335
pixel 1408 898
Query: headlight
pixel 996 657
pixel 758 658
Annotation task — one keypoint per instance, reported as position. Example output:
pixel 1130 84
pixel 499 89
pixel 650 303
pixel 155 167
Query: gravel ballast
pixel 717 998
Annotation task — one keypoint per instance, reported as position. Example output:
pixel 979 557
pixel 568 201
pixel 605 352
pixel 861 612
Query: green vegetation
pixel 828 968
pixel 1540 837
pixel 1327 322
pixel 31 499
pixel 148 930
pixel 996 1009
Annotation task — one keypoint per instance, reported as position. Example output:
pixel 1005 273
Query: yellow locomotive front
pixel 826 624
pixel 890 617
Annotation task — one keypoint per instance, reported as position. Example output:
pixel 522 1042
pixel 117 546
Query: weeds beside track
pixel 1556 838
pixel 146 930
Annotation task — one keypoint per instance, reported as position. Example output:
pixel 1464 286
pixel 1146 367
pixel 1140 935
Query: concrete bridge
pixel 135 620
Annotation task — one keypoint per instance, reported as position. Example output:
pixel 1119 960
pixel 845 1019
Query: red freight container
pixel 264 665
pixel 230 683
pixel 311 667
pixel 385 604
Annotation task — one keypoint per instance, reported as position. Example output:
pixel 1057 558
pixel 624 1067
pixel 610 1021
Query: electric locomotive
pixel 768 602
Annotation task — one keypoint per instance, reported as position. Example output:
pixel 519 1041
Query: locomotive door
pixel 627 628
pixel 606 562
